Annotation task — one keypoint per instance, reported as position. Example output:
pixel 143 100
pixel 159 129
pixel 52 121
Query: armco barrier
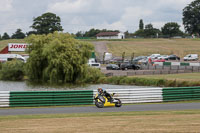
pixel 4 98
pixel 181 94
pixel 50 98
pixel 176 64
pixel 85 97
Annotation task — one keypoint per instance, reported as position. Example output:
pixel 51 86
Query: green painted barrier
pixel 50 98
pixel 181 94
pixel 184 64
pixel 167 63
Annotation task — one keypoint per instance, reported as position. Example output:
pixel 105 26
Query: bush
pixel 123 80
pixel 12 70
pixel 0 65
pixel 93 75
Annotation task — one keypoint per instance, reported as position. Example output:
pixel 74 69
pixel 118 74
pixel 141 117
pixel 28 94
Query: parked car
pixel 116 60
pixel 92 63
pixel 154 56
pixel 126 66
pixel 9 57
pixel 143 61
pixel 112 67
pixel 3 60
pixel 136 59
pixel 159 60
pixel 95 65
pixel 173 57
pixel 163 57
pixel 191 57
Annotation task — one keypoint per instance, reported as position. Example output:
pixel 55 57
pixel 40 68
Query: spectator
pixel 150 61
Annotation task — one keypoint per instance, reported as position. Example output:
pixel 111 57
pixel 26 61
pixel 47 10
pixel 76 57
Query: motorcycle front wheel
pixel 99 104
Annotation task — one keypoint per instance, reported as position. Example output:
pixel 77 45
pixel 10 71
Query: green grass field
pixel 180 47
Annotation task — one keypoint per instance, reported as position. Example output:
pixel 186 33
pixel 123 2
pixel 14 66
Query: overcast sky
pixel 82 15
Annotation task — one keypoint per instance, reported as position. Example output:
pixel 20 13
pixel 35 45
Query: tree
pixel 57 58
pixel 128 35
pixel 150 31
pixel 5 36
pixel 18 34
pixel 79 34
pixel 171 29
pixel 191 17
pixel 92 32
pixel 47 23
pixel 141 25
pixel 0 37
pixel 149 27
pixel 30 33
pixel 139 33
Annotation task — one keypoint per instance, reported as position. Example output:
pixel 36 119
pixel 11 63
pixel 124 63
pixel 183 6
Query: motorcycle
pixel 102 101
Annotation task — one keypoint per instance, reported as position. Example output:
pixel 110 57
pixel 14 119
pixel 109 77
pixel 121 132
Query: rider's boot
pixel 113 100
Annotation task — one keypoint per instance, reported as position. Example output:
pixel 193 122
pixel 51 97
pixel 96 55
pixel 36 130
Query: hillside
pixel 180 47
pixel 4 43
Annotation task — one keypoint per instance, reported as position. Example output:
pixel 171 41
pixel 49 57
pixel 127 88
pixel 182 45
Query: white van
pixel 108 56
pixel 8 57
pixel 93 63
pixel 191 57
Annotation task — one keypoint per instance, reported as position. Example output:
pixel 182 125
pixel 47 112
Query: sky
pixel 82 15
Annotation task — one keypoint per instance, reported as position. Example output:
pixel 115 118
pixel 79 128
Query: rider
pixel 102 91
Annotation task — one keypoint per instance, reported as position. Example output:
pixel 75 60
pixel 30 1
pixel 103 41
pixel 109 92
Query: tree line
pixel 170 29
pixel 50 22
pixel 17 35
pixel 44 24
pixel 92 32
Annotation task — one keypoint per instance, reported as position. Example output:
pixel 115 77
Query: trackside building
pixel 110 35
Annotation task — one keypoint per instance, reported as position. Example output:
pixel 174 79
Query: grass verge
pixel 170 80
pixel 151 121
pixel 135 113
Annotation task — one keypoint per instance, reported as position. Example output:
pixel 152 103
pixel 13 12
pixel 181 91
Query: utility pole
pixel 123 55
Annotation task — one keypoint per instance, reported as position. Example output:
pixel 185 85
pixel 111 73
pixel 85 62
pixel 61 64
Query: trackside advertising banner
pixel 17 47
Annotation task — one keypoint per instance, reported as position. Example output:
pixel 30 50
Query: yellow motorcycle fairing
pixel 107 103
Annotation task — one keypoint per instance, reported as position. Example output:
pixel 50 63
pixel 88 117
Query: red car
pixel 159 60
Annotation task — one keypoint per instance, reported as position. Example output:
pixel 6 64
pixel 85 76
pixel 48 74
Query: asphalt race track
pixel 93 109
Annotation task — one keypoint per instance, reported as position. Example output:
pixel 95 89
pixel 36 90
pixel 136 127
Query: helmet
pixel 100 90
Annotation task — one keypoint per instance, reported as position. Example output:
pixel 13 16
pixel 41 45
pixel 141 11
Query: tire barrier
pixel 85 97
